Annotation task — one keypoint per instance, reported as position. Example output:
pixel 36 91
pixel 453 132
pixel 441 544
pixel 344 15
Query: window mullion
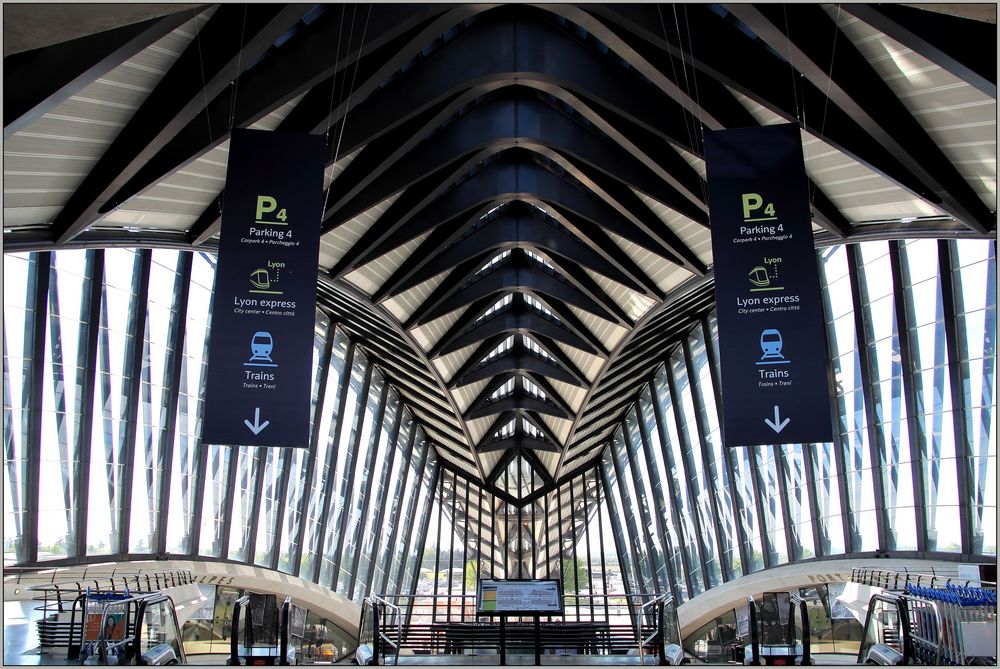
pixel 661 425
pixel 912 380
pixel 171 386
pixel 742 541
pixel 138 314
pixel 951 295
pixel 872 392
pixel 90 317
pixel 296 549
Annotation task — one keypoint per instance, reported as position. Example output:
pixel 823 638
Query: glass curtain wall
pixel 912 333
pixel 104 371
pixel 524 527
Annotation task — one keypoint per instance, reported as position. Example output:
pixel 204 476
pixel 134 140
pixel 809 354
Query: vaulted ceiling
pixel 516 221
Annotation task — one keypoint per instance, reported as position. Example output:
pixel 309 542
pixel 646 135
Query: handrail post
pixel 283 632
pixel 754 632
pixel 661 614
pixel 376 633
pixel 234 643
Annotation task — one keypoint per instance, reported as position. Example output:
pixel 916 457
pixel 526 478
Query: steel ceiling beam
pixel 513 113
pixel 206 67
pixel 714 104
pixel 445 287
pixel 518 272
pixel 517 317
pixel 291 70
pixel 516 225
pixel 808 36
pixel 950 42
pixel 593 235
pixel 761 75
pixel 517 399
pixel 36 81
pixel 517 359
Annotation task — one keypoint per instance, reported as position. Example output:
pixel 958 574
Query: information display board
pixel 774 360
pixel 519 597
pixel 264 311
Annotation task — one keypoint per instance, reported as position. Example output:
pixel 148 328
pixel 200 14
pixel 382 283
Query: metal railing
pixel 656 610
pixel 38 576
pixel 449 624
pixel 60 597
pixel 898 581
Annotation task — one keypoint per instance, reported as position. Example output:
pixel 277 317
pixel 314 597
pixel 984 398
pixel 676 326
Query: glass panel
pixel 678 481
pixel 774 518
pixel 799 508
pixel 370 448
pixel 343 472
pixel 884 349
pixel 616 514
pixel 61 394
pixel 825 466
pixel 107 450
pixel 248 464
pixel 850 398
pixel 630 505
pixel 268 507
pixel 933 393
pixel 976 282
pixel 19 276
pixel 300 457
pixel 386 467
pixel 155 385
pixel 400 491
pixel 214 511
pixel 329 423
pixel 704 388
pixel 672 541
pixel 749 518
pixel 696 474
pixel 190 408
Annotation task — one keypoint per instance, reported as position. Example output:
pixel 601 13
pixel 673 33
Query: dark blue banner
pixel 772 336
pixel 264 312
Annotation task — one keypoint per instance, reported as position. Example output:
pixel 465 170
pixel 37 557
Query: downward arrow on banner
pixel 778 425
pixel 256 426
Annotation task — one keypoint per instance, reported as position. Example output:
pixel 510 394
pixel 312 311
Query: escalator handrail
pixel 286 608
pixel 137 635
pixel 754 632
pixel 806 631
pixel 906 643
pixel 234 641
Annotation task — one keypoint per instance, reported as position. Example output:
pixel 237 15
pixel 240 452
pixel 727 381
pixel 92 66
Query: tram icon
pixel 261 345
pixel 770 344
pixel 759 277
pixel 260 279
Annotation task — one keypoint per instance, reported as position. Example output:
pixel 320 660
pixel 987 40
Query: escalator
pixel 773 633
pixel 122 630
pixel 269 637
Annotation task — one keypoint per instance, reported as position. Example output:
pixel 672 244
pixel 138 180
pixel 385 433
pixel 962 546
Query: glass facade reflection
pixel 104 366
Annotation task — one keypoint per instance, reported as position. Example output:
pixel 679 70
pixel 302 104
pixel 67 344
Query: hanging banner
pixel 260 352
pixel 774 361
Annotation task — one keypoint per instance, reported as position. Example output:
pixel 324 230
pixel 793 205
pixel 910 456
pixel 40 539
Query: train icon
pixel 261 345
pixel 770 344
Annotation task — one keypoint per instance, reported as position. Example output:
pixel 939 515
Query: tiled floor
pixel 547 660
pixel 20 640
